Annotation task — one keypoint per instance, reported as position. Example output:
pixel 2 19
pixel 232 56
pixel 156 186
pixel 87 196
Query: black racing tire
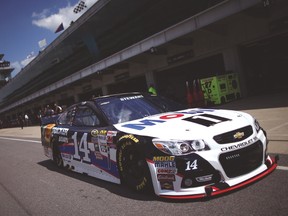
pixel 57 158
pixel 132 166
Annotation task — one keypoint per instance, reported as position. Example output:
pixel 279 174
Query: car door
pixel 91 138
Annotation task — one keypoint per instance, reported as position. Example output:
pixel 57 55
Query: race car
pixel 148 141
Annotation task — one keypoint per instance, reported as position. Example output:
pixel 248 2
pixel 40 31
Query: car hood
pixel 187 124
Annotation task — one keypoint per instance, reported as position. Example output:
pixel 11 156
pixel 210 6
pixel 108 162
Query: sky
pixel 26 23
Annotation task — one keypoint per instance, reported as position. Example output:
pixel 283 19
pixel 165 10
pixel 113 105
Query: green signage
pixel 221 89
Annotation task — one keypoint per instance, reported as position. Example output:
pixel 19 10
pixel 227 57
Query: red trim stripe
pixel 214 193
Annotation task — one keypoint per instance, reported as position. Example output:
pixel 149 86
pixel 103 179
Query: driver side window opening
pixel 85 116
pixel 66 117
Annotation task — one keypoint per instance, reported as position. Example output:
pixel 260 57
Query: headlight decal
pixel 257 125
pixel 180 147
pixel 198 145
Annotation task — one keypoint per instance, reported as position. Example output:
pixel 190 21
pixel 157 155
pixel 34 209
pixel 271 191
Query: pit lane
pixel 31 185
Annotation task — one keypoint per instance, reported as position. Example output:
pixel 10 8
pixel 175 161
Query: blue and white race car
pixel 147 141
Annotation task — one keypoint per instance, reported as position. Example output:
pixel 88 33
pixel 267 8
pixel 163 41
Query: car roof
pixel 118 95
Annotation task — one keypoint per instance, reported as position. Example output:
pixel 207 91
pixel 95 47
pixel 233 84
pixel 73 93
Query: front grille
pixel 230 137
pixel 242 161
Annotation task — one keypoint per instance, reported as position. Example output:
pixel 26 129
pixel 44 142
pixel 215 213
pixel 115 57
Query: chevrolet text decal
pixel 240 145
pixel 142 124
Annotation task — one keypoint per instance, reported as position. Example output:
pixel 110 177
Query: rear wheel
pixel 57 158
pixel 133 167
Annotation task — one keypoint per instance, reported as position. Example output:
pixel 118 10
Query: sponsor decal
pixel 94 139
pixel 171 116
pixel 163 158
pixel 164 161
pixel 110 136
pixel 131 98
pixel 166 171
pixel 165 164
pixel 107 140
pixel 129 136
pixel 166 185
pixel 102 139
pixel 97 153
pixel 204 178
pixel 104 148
pixel 111 133
pixel 60 131
pixel 66 156
pixel 63 139
pixel 238 135
pixel 142 184
pixel 120 161
pixel 240 145
pixel 142 124
pixel 166 177
pixel 96 132
pixel 123 146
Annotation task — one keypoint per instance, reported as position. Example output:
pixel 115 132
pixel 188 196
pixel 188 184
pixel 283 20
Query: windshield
pixel 119 109
pixel 165 104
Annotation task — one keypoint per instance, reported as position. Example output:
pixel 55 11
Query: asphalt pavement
pixel 271 110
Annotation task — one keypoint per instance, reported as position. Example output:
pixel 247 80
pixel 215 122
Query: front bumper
pixel 173 190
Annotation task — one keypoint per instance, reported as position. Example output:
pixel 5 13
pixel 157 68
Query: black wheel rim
pixel 57 157
pixel 134 164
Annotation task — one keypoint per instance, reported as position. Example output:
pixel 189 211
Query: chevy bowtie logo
pixel 238 135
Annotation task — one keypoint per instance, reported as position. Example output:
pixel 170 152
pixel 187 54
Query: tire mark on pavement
pixel 22 140
pixel 16 200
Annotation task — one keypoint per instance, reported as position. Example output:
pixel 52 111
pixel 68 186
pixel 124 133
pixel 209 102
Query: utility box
pixel 221 89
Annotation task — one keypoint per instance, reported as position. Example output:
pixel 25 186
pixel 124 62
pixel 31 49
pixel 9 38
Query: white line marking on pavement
pixel 22 140
pixel 277 127
pixel 46 182
pixel 282 168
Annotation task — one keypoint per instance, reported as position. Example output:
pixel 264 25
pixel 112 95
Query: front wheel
pixel 133 167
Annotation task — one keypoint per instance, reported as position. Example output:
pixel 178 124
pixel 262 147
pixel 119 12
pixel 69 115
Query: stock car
pixel 150 142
